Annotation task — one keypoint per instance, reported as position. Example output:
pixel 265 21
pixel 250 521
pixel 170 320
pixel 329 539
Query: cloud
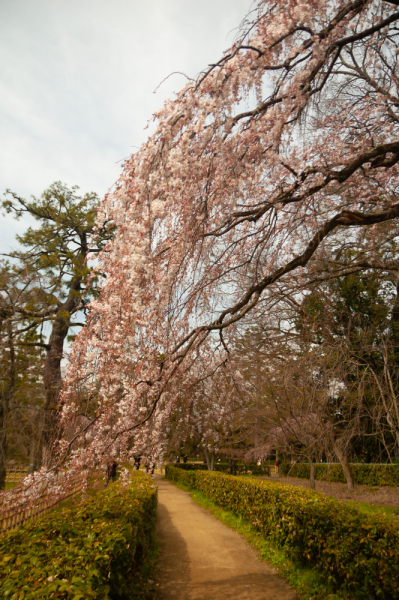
pixel 77 81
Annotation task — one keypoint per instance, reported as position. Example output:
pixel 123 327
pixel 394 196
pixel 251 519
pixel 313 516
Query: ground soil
pixel 202 559
pixel 384 496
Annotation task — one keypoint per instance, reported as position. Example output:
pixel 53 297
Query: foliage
pixel 21 366
pixel 209 413
pixel 225 212
pixel 241 468
pixel 199 467
pixel 95 549
pixel 347 307
pixel 358 554
pixel 184 476
pixel 57 248
pixel 363 474
pixel 272 172
pixel 310 584
pixel 52 281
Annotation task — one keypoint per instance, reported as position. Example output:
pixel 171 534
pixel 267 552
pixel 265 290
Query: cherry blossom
pixel 278 153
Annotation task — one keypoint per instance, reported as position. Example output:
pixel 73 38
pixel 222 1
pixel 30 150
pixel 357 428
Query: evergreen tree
pixel 55 253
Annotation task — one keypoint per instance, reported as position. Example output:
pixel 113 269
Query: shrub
pixel 95 549
pixel 357 554
pixel 191 466
pixel 363 474
pixel 184 476
pixel 242 468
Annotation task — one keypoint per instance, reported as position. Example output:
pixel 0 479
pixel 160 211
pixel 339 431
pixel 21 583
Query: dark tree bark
pixel 343 459
pixel 3 443
pixel 206 456
pixel 210 460
pixel 52 367
pixel 7 392
pixel 312 478
pixel 232 466
pixel 395 320
pixel 48 427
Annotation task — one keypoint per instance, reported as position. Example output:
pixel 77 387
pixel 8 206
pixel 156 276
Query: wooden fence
pixel 15 473
pixel 12 517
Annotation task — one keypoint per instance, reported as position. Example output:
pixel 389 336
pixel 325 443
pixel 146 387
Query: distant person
pixel 185 458
pixel 278 463
pixel 177 459
pixel 111 472
pixel 137 460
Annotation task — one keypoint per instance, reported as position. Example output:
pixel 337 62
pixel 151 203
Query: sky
pixel 77 83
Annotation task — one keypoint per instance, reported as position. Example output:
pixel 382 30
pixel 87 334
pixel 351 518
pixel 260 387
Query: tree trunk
pixel 7 393
pixel 395 336
pixel 312 478
pixel 232 466
pixel 3 442
pixel 32 455
pixel 389 401
pixel 52 371
pixel 395 319
pixel 343 459
pixel 36 447
pixel 206 455
pixel 212 461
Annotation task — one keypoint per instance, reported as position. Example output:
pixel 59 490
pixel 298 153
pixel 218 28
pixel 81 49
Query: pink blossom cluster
pixel 277 153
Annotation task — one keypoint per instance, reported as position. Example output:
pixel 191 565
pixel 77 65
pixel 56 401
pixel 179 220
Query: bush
pixel 179 475
pixel 191 466
pixel 95 549
pixel 363 474
pixel 242 468
pixel 357 554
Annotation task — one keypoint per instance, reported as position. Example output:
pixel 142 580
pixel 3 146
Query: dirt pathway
pixel 202 559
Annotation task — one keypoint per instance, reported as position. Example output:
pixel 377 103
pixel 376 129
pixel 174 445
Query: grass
pixel 373 509
pixel 10 486
pixel 309 584
pixel 364 507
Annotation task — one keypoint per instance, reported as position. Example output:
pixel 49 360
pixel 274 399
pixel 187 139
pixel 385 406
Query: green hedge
pixel 242 468
pixel 358 554
pixel 363 474
pixel 94 549
pixel 185 476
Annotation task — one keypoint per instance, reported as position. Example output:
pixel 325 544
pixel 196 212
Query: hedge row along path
pixel 377 495
pixel 202 559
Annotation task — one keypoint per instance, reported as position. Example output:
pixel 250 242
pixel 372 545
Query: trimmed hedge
pixel 95 549
pixel 358 554
pixel 363 474
pixel 242 468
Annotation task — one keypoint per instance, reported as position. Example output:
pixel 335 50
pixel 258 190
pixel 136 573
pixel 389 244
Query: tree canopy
pixel 45 282
pixel 274 170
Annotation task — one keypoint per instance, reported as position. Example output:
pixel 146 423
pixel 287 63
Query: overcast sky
pixel 77 80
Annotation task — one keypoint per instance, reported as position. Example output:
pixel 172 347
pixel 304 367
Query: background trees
pixel 21 356
pixel 45 284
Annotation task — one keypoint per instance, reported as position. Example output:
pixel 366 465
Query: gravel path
pixel 202 559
